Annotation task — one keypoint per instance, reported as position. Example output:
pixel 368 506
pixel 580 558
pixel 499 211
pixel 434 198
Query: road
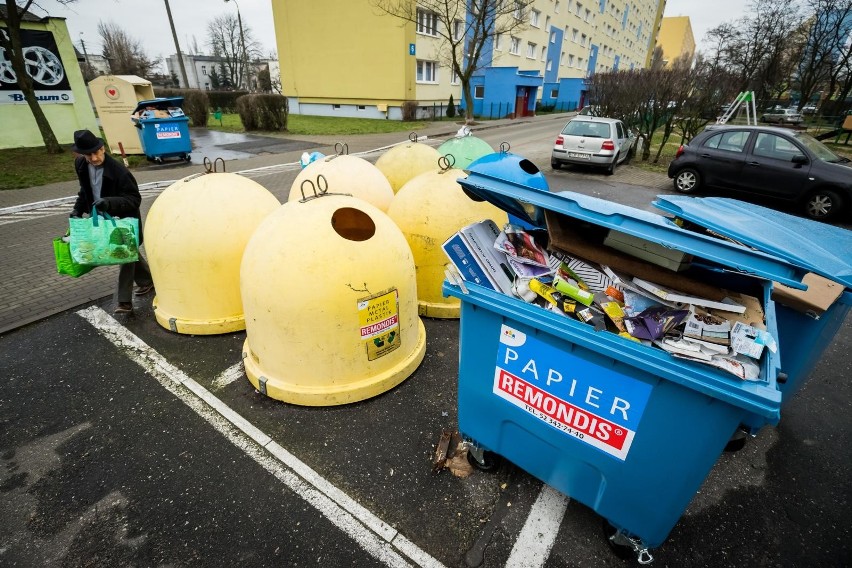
pixel 125 444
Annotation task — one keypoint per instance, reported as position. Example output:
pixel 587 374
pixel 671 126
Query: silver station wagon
pixel 593 141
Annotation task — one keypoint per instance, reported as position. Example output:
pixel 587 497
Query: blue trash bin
pixel 163 128
pixel 626 429
pixel 820 248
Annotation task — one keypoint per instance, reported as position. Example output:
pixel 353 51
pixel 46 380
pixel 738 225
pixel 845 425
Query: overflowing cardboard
pixel 814 301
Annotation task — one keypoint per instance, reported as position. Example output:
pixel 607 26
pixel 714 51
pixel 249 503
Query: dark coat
pixel 118 188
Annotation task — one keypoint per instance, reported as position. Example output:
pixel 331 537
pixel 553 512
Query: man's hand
pixel 75 215
pixel 101 205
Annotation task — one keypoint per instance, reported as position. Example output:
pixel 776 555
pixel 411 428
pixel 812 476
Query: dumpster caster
pixel 482 460
pixel 187 157
pixel 625 547
pixel 158 160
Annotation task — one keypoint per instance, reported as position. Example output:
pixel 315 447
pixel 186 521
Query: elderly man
pixel 110 187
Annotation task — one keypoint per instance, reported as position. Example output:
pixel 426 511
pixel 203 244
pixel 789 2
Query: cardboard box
pixel 654 253
pixel 563 236
pixel 819 296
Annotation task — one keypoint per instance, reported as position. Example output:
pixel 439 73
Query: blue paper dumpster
pixel 624 428
pixel 163 128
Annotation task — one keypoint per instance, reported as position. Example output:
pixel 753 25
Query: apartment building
pixel 347 58
pixel 676 39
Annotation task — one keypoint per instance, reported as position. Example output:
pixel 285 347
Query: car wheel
pixel 555 165
pixel 823 204
pixel 687 180
pixel 610 169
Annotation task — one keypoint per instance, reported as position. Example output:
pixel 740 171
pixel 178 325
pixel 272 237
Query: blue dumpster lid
pixel 160 103
pixel 529 204
pixel 820 248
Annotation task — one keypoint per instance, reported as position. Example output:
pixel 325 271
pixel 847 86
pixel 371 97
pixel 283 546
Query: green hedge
pixel 196 105
pixel 263 112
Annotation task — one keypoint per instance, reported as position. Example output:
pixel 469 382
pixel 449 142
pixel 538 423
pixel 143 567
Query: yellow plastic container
pixel 195 234
pixel 330 297
pixel 406 161
pixel 429 209
pixel 346 174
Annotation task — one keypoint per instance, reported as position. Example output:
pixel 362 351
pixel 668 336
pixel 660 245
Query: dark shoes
pixel 142 290
pixel 123 308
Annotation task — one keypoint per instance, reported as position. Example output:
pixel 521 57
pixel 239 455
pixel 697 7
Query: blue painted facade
pixel 557 34
pixel 504 89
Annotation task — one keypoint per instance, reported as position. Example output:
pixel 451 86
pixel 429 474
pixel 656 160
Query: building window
pixel 549 65
pixel 552 37
pixel 479 91
pixel 427 22
pixel 554 93
pixel 543 52
pixel 547 23
pixel 534 18
pixel 562 58
pixel 531 50
pixel 515 48
pixel 454 78
pixel 458 29
pixel 427 71
pixel 578 9
pixel 498 42
pixel 206 86
pixel 335 107
pixel 583 40
pixel 362 107
pixel 519 11
pixel 556 6
pixel 570 60
pixel 204 70
pixel 588 14
pixel 574 33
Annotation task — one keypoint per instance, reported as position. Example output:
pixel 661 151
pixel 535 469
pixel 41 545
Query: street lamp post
pixel 243 41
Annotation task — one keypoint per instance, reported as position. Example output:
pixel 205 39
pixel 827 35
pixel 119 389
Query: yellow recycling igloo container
pixel 429 209
pixel 330 298
pixel 406 161
pixel 195 234
pixel 359 177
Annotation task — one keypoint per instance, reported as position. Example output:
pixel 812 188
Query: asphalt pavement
pixel 123 444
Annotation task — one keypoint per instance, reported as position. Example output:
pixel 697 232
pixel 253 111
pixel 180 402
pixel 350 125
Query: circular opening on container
pixel 529 167
pixel 353 224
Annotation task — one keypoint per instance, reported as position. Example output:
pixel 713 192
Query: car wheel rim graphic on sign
pixel 43 66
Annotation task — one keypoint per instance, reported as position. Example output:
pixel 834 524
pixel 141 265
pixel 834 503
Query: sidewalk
pixel 31 289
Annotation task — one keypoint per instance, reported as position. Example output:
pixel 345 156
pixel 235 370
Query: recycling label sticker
pixel 378 316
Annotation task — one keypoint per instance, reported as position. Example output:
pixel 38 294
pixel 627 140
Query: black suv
pixel 770 162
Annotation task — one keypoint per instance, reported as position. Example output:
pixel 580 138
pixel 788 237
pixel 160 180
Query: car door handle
pixel 705 155
pixel 753 163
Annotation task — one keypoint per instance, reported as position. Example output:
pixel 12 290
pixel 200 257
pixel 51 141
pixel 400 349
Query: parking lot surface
pixel 126 444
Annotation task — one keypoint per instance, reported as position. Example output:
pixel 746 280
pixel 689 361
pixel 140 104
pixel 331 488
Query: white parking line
pixel 227 377
pixel 373 535
pixel 532 548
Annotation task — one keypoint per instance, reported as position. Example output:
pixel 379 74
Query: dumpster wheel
pixel 483 460
pixel 187 157
pixel 625 547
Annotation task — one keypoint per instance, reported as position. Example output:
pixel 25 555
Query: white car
pixel 782 116
pixel 594 141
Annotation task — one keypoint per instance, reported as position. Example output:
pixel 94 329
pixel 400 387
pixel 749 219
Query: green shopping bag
pixel 103 239
pixel 64 263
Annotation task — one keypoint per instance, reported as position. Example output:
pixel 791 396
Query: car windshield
pixel 587 128
pixel 820 150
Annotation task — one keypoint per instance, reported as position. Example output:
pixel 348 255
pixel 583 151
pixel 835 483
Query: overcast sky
pixel 147 21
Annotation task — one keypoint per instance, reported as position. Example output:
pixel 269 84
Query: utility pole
pixel 177 46
pixel 245 53
pixel 85 54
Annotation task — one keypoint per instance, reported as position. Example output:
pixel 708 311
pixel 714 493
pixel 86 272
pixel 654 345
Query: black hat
pixel 86 143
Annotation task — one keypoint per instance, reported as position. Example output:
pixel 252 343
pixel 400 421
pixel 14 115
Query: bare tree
pixel 826 45
pixel 757 49
pixel 223 37
pixel 125 54
pixel 10 43
pixel 465 28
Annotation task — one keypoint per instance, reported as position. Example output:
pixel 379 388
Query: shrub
pixel 451 108
pixel 409 111
pixel 263 112
pixel 196 105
